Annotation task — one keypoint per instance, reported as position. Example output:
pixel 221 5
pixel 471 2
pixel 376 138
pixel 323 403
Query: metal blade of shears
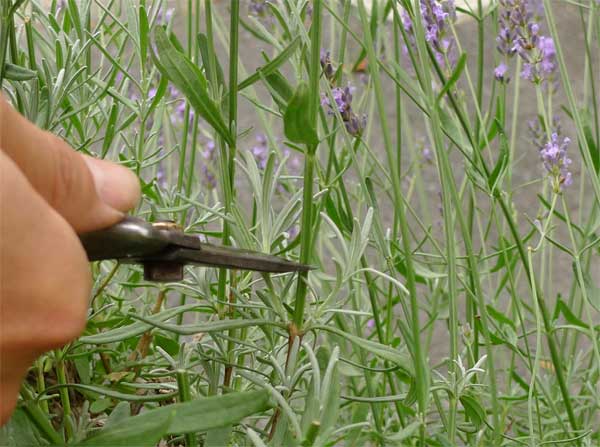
pixel 163 249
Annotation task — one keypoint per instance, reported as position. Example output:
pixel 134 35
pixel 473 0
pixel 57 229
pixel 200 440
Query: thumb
pixel 88 193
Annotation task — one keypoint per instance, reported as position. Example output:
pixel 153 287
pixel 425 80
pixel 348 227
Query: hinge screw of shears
pixel 164 271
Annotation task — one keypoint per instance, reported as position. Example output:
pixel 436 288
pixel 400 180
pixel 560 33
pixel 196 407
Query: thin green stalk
pixel 536 361
pixel 183 385
pixel 181 176
pixel 5 31
pixel 233 93
pixel 589 73
pixel 306 237
pixel 30 44
pixel 233 81
pixel 480 64
pixel 212 72
pixel 41 383
pixel 61 377
pixel 344 37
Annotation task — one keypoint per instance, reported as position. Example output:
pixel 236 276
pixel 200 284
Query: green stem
pixel 183 385
pixel 233 81
pixel 41 383
pixel 306 237
pixel 4 35
pixel 233 96
pixel 61 377
pixel 480 64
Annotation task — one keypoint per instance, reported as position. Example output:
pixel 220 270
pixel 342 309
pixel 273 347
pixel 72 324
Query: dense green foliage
pixel 455 298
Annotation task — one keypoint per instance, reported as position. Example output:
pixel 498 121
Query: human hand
pixel 48 194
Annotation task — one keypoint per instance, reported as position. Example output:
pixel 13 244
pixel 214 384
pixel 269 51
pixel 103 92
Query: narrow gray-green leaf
pixel 17 73
pixel 144 33
pixel 188 78
pixel 132 435
pixel 382 351
pixel 271 66
pixel 213 326
pixel 114 394
pixel 135 329
pixel 453 79
pixel 205 413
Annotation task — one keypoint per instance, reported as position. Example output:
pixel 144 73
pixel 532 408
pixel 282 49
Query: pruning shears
pixel 163 248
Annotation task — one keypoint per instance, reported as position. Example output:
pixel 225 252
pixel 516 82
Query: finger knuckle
pixel 67 179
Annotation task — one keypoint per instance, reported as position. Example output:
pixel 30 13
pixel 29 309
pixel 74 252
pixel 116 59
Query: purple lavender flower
pixel 500 73
pixel 548 54
pixel 520 34
pixel 556 162
pixel 261 151
pixel 343 99
pixel 326 65
pixel 355 124
pixel 436 16
pixel 343 103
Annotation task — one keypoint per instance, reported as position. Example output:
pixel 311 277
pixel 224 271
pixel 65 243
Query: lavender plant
pixel 455 298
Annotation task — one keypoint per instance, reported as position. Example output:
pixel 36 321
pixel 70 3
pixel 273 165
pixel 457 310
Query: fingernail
pixel 116 185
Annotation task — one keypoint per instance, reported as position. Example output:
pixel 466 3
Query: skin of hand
pixel 48 194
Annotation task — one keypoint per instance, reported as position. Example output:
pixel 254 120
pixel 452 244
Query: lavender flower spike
pixel 436 16
pixel 556 162
pixel 520 34
pixel 343 103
